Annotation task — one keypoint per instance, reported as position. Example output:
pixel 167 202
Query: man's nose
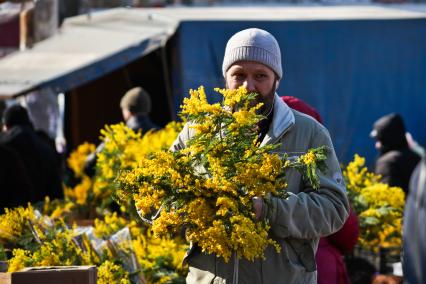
pixel 249 85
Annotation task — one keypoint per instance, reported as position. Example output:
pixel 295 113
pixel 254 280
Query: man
pixel 38 158
pixel 414 233
pixel 396 160
pixel 253 60
pixel 135 107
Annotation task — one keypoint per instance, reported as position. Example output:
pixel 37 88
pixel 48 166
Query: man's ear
pixel 277 84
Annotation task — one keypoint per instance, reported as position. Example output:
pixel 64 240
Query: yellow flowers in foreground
pixel 157 254
pixel 14 224
pixel 379 207
pixel 123 250
pixel 208 186
pixel 43 242
pixel 89 193
pixel 77 159
pixel 39 239
pixel 124 149
pixel 109 272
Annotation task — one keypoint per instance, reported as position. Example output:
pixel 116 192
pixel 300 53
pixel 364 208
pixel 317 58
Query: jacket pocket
pixel 304 252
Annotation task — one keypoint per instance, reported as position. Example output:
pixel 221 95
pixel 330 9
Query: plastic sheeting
pixel 351 71
pixel 43 109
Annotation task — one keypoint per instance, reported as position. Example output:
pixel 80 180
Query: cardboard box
pixel 51 275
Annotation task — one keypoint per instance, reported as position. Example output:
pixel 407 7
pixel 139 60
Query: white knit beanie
pixel 253 45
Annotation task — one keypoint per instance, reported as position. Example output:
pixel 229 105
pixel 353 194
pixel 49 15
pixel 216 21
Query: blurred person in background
pixel 360 270
pixel 414 229
pixel 329 257
pixel 37 156
pixel 135 107
pixel 396 160
pixel 15 185
pixel 59 160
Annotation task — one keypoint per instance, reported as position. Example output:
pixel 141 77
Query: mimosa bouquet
pixel 379 207
pixel 208 186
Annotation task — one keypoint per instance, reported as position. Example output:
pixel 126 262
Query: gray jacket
pixel 297 222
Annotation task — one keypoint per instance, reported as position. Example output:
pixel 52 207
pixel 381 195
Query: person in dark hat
pixel 396 160
pixel 38 158
pixel 135 107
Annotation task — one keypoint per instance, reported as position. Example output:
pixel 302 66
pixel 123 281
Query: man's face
pixel 126 114
pixel 255 77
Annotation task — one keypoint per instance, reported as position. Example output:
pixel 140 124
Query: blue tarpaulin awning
pixel 353 64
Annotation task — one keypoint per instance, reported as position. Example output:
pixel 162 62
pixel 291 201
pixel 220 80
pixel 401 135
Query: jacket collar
pixel 282 120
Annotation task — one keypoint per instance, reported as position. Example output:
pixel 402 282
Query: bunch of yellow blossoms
pixel 208 186
pixel 40 240
pixel 57 249
pixel 159 258
pixel 124 148
pixel 77 158
pixel 109 272
pixel 14 223
pixel 379 207
pixel 83 199
pixel 23 227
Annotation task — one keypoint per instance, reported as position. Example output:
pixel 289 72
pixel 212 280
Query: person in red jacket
pixel 331 267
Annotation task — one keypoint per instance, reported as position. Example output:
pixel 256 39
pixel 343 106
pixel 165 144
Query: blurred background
pixel 70 62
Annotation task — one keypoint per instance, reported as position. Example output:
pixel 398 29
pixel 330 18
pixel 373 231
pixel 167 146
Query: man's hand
pixel 258 207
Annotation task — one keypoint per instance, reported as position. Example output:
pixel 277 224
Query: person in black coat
pixel 414 231
pixel 15 184
pixel 38 158
pixel 396 160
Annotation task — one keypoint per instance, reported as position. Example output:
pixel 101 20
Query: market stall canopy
pixel 89 46
pixel 276 12
pixel 86 47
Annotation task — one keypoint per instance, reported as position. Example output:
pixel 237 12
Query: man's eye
pixel 261 76
pixel 238 76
